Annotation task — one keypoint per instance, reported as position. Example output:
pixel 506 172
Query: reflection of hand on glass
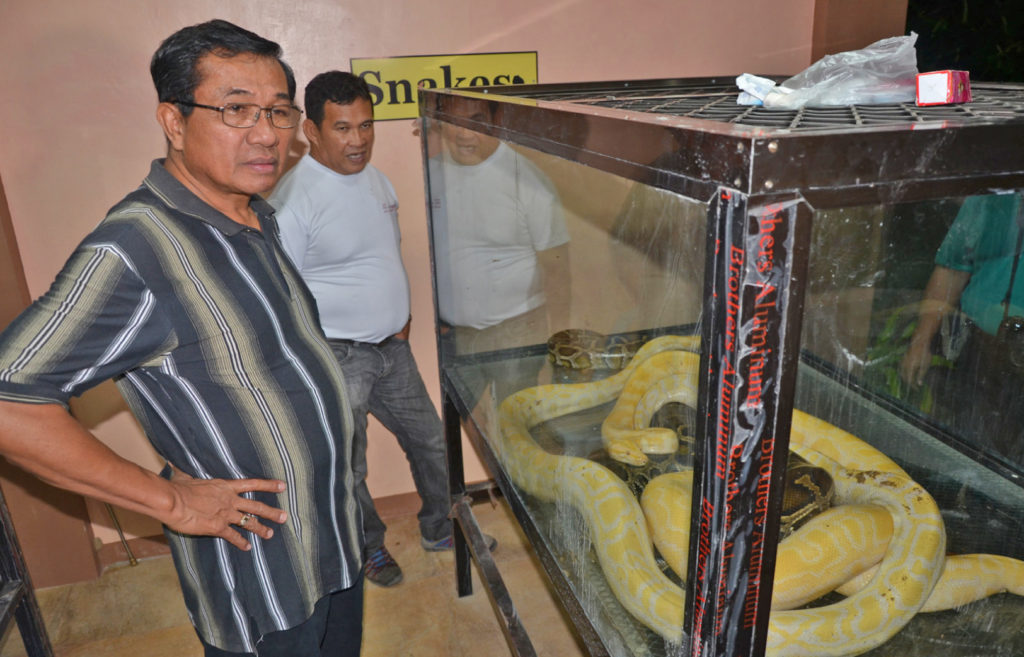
pixel 941 297
pixel 975 265
pixel 974 290
pixel 420 126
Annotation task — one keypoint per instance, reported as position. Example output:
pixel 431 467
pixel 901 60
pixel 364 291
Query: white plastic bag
pixel 884 72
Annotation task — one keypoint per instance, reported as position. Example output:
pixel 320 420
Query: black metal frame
pixel 747 172
pixel 902 160
pixel 17 597
pixel 748 375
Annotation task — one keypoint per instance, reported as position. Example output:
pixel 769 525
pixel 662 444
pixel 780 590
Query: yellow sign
pixel 393 80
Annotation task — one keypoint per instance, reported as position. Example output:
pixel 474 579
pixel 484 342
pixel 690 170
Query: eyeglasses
pixel 246 115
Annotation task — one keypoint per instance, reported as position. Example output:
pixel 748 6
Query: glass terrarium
pixel 749 379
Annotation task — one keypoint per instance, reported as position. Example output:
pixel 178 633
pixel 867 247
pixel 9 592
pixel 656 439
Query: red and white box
pixel 943 87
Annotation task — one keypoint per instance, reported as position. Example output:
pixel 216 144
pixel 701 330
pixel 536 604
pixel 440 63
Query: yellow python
pixel 880 506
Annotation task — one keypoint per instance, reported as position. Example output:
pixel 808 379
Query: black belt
pixel 358 343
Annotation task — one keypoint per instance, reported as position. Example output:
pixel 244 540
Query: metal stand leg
pixel 457 486
pixel 17 598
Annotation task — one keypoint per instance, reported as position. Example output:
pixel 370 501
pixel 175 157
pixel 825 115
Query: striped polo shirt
pixel 215 344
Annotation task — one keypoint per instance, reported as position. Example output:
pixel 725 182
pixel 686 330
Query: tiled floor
pixel 137 611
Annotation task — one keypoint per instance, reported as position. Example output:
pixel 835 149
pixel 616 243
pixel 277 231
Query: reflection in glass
pixel 501 250
pixel 632 261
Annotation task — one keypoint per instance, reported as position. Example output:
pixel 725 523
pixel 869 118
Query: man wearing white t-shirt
pixel 338 218
pixel 501 247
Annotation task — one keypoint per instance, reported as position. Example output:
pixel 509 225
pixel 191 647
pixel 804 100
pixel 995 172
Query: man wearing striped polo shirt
pixel 183 296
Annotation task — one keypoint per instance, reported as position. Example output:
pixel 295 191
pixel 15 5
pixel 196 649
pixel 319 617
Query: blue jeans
pixel 334 630
pixel 384 380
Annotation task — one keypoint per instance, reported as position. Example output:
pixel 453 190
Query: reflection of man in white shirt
pixel 500 239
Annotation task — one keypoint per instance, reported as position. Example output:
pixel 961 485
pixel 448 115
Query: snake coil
pixel 871 493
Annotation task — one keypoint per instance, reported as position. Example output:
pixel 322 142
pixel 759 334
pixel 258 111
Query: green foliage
pixel 882 368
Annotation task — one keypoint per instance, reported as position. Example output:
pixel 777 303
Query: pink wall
pixel 77 129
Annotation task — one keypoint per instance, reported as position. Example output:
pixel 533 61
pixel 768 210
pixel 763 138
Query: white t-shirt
pixel 342 234
pixel 489 222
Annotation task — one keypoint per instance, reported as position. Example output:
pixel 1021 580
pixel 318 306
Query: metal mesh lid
pixel 717 102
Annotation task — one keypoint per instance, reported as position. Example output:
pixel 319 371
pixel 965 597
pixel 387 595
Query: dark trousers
pixel 982 397
pixel 334 630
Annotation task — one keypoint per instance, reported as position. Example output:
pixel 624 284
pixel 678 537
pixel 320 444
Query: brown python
pixel 584 349
pixel 808 489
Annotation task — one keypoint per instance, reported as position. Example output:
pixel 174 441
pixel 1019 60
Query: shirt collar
pixel 181 198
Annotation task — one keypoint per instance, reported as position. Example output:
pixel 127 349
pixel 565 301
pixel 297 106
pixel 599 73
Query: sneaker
pixel 448 543
pixel 381 568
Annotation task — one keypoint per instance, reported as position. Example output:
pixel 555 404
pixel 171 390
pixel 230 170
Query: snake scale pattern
pixel 882 544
